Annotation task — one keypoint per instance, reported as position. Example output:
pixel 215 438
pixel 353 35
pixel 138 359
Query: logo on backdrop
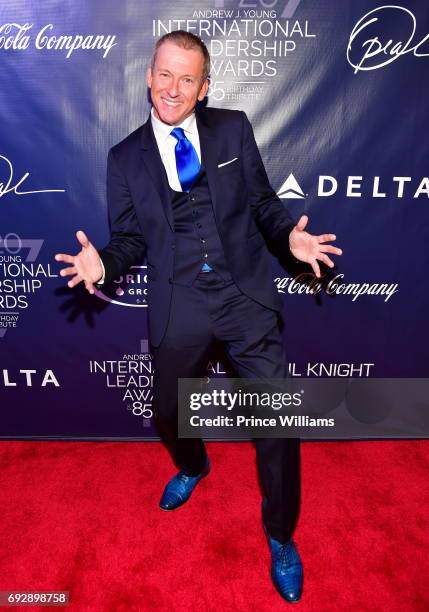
pixel 291 189
pixel 127 290
pixel 248 44
pixel 359 186
pixel 311 368
pixel 10 185
pixel 133 377
pixel 20 277
pixel 288 12
pixel 308 284
pixel 382 36
pixel 320 369
pixel 28 378
pixel 19 37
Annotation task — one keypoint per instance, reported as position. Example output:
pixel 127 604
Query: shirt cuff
pixel 101 281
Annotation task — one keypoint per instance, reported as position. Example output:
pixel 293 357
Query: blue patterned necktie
pixel 187 162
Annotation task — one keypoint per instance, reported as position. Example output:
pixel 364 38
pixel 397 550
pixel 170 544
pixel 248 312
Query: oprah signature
pixel 10 187
pixel 367 52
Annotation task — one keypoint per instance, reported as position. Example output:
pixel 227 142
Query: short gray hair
pixel 186 40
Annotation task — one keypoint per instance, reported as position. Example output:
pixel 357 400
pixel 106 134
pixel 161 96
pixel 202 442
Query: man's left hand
pixel 309 248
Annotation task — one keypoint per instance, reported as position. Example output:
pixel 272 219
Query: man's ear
pixel 203 90
pixel 149 77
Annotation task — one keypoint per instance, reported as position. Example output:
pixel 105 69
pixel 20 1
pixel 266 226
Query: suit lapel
pixel 209 151
pixel 153 162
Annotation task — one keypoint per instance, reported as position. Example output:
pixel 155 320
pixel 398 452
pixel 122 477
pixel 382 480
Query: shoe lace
pixel 286 556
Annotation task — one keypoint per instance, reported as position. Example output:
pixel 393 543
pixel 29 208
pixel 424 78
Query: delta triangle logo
pixel 291 189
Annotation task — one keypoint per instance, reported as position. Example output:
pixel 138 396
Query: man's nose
pixel 173 89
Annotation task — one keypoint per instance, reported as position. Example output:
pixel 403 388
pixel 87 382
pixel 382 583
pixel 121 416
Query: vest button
pixel 170 280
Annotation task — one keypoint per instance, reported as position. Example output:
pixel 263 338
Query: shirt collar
pixel 162 130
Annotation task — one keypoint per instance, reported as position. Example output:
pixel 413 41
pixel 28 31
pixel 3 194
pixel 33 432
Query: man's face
pixel 176 82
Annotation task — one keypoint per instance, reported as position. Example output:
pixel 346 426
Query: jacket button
pixel 170 280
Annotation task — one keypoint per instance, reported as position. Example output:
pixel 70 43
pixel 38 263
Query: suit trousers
pixel 214 310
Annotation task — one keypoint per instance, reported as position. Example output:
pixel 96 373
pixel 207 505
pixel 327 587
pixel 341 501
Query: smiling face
pixel 176 82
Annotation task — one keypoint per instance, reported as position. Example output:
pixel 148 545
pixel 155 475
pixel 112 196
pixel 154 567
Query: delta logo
pixel 358 186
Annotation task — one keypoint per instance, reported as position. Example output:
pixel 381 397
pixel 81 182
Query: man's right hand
pixel 85 266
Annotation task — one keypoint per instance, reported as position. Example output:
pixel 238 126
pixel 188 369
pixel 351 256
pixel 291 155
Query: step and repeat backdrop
pixel 337 95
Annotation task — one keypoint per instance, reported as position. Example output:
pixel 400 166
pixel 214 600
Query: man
pixel 188 190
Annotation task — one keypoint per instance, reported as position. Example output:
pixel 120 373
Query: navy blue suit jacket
pixel 250 217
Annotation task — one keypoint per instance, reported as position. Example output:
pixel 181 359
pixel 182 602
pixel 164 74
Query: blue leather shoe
pixel 286 569
pixel 180 488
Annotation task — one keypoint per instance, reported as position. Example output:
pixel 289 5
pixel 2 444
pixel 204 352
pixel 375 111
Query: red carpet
pixel 83 517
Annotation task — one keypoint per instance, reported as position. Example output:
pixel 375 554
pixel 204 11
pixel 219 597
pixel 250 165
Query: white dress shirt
pixel 166 145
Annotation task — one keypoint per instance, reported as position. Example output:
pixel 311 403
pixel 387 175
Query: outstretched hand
pixel 85 266
pixel 309 248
